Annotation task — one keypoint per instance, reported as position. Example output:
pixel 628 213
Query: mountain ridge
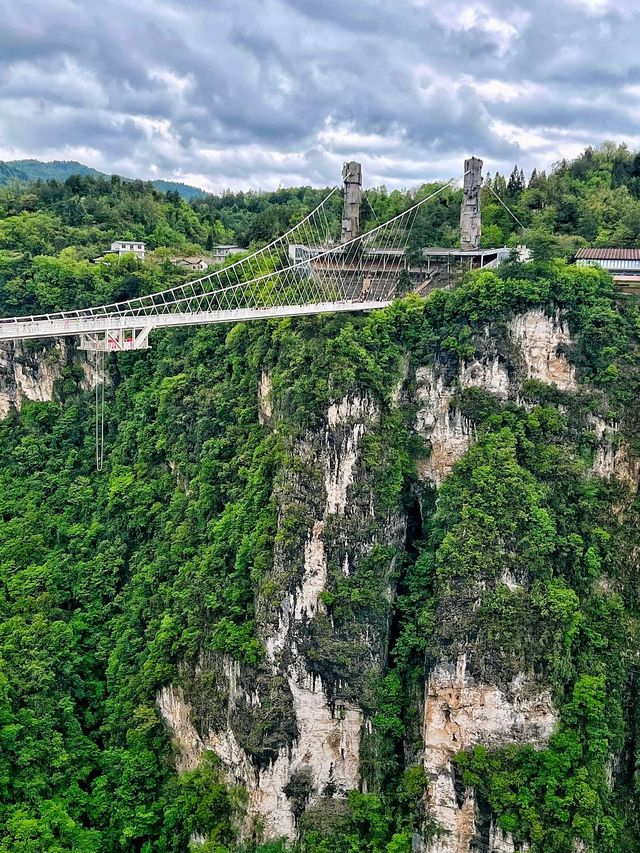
pixel 30 170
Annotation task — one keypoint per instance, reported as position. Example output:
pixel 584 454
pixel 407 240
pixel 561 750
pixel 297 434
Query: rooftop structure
pixel 606 254
pixel 221 253
pixel 611 259
pixel 469 258
pixel 623 264
pixel 197 263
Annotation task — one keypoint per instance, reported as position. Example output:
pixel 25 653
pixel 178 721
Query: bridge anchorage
pixel 321 265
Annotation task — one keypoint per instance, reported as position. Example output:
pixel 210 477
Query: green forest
pixel 113 584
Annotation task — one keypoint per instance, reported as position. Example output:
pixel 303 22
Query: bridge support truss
pixel 116 340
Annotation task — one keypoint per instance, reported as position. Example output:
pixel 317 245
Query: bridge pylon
pixel 470 211
pixel 352 177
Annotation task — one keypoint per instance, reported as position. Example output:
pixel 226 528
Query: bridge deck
pixel 25 330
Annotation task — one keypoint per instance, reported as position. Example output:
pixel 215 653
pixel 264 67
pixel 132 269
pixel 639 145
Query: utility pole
pixel 470 228
pixel 352 176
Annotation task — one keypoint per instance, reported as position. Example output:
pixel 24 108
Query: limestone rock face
pixel 328 720
pixel 501 842
pixel 177 715
pixel 27 374
pixel 612 457
pixel 460 712
pixel 538 342
pixel 459 709
pixel 448 432
pixel 327 745
pixel 542 341
pixel 265 407
pixel 325 489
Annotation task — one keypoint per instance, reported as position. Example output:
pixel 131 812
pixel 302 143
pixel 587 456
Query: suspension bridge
pixel 307 270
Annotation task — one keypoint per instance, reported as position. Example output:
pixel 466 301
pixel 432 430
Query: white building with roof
pixel 614 260
pixel 221 253
pixel 196 263
pixel 124 247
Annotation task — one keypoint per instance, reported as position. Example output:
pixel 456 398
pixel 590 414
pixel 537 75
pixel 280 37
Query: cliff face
pixel 372 576
pixel 27 375
pixel 31 374
pixel 329 492
pixel 538 345
pixel 460 709
pixel 333 501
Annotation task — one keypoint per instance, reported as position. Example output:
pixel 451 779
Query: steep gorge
pixel 375 556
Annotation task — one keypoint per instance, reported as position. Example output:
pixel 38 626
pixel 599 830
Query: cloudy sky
pixel 263 93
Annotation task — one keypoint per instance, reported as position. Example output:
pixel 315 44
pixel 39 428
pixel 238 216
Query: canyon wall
pixel 290 728
pixel 29 371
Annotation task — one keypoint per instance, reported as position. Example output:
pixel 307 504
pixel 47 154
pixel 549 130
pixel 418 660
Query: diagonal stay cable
pixel 506 207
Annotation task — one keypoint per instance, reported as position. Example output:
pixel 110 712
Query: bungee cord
pixel 99 425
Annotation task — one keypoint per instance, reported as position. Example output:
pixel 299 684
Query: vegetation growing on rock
pixel 113 585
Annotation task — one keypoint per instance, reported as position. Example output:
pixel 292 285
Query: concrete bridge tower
pixel 470 211
pixel 352 176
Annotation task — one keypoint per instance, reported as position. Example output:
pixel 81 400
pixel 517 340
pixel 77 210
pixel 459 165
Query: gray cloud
pixel 247 93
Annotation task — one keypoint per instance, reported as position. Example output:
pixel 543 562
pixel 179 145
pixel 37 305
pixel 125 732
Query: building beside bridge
pixel 197 263
pixel 474 259
pixel 623 264
pixel 219 254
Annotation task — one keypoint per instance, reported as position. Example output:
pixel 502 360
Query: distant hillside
pixel 36 170
pixel 186 191
pixel 59 170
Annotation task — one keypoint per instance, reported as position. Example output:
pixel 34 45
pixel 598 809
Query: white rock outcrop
pixel 542 340
pixel 502 842
pixel 265 405
pixel 612 458
pixel 539 342
pixel 176 713
pixel 328 742
pixel 29 375
pixel 450 434
pixel 329 737
pixel 459 712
